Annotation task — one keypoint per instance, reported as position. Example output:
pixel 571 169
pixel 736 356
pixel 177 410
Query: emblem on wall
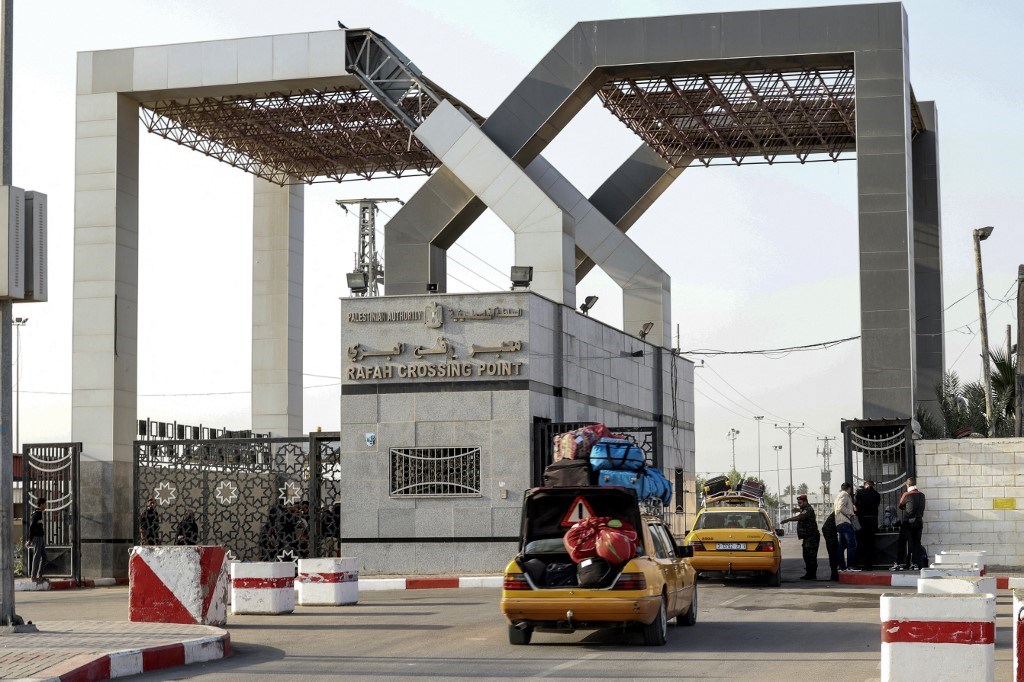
pixel 433 316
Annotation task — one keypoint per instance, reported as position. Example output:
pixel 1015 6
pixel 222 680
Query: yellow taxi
pixel 733 535
pixel 541 591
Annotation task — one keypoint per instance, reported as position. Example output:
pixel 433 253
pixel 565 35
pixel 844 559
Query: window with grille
pixel 435 472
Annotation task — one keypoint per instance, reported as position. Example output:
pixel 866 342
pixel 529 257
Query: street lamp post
pixel 789 429
pixel 19 322
pixel 980 235
pixel 758 420
pixel 732 436
pixel 778 477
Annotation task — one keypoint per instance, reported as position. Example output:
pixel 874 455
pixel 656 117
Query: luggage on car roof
pixel 718 484
pixel 568 472
pixel 615 453
pixel 576 444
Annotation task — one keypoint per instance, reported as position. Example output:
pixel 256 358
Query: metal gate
pixel 646 438
pixel 51 471
pixel 880 450
pixel 263 499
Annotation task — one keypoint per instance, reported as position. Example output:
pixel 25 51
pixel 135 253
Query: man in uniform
pixel 831 535
pixel 807 532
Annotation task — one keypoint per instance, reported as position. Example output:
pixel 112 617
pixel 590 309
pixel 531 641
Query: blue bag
pixel 654 484
pixel 622 479
pixel 614 454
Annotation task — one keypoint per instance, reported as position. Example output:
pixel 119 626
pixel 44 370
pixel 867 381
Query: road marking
pixel 735 599
pixel 567 664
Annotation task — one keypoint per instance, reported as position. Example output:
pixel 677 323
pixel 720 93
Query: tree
pixel 1004 391
pixel 802 489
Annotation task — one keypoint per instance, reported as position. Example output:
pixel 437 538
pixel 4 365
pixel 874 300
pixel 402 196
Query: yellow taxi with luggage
pixel 734 535
pixel 542 592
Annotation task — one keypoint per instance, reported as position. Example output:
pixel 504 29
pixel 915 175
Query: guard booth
pixel 881 450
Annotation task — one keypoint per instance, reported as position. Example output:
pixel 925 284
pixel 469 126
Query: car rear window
pixel 732 519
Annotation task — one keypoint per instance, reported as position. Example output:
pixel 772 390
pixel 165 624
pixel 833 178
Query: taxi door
pixel 663 555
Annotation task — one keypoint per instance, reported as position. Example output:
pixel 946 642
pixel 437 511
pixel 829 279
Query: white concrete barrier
pixel 957 585
pixel 328 582
pixel 961 556
pixel 938 637
pixel 952 570
pixel 1018 637
pixel 264 587
pixel 177 584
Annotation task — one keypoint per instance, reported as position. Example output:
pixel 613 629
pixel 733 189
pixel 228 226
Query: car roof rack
pixel 730 498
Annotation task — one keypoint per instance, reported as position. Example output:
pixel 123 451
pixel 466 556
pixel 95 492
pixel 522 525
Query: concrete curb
pixel 67 584
pixel 910 580
pixel 366 584
pixel 90 667
pixel 429 583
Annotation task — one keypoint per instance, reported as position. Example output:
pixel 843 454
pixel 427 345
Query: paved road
pixel 744 631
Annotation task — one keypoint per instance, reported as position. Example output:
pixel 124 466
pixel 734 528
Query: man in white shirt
pixel 843 507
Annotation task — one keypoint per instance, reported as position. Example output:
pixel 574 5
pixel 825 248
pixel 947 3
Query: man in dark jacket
pixel 831 535
pixel 807 532
pixel 911 508
pixel 37 537
pixel 866 502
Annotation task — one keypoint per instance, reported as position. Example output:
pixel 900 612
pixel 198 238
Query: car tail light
pixel 515 581
pixel 697 545
pixel 768 546
pixel 630 581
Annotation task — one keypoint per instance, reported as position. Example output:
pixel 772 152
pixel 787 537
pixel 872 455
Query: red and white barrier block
pixel 265 587
pixel 933 636
pixel 328 582
pixel 171 584
pixel 952 571
pixel 957 585
pixel 1018 636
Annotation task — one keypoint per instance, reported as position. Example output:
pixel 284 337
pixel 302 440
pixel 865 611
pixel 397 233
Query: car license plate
pixel 731 546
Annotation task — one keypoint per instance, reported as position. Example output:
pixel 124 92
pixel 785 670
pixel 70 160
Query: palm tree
pixel 1004 391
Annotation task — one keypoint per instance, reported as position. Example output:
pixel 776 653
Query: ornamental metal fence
pixel 263 499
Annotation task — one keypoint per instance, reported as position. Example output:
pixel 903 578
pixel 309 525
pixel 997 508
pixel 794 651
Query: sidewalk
pixel 425 582
pixel 66 584
pixel 76 651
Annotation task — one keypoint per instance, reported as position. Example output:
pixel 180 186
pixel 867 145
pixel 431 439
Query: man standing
pixel 37 536
pixel 149 524
pixel 911 508
pixel 867 500
pixel 807 532
pixel 843 507
pixel 831 535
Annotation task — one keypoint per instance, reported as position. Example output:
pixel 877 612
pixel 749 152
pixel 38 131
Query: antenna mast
pixel 368 260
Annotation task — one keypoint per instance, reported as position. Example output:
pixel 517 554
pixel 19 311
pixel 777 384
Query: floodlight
pixel 646 329
pixel 522 275
pixel 983 233
pixel 357 282
pixel 587 304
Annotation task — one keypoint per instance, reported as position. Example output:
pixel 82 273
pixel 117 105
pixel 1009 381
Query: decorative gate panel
pixel 258 497
pixel 51 471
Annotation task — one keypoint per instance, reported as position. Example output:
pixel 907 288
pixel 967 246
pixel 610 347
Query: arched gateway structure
pixel 339 104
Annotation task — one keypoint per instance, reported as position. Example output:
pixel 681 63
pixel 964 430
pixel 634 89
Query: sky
pixel 760 257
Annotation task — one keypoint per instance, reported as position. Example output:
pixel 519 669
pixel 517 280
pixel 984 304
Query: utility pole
pixel 826 472
pixel 1020 351
pixel 368 260
pixel 758 419
pixel 7 614
pixel 732 436
pixel 778 478
pixel 790 429
pixel 980 235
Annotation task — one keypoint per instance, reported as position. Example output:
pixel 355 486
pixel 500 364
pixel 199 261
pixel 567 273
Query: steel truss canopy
pixel 737 115
pixel 329 134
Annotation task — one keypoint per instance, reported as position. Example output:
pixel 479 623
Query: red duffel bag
pixel 616 544
pixel 581 540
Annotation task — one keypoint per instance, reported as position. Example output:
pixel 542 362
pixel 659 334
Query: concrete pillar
pixel 931 345
pixel 277 220
pixel 886 214
pixel 105 323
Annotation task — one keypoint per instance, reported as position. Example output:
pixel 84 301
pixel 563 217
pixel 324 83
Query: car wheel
pixel 690 617
pixel 656 634
pixel 775 579
pixel 520 635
